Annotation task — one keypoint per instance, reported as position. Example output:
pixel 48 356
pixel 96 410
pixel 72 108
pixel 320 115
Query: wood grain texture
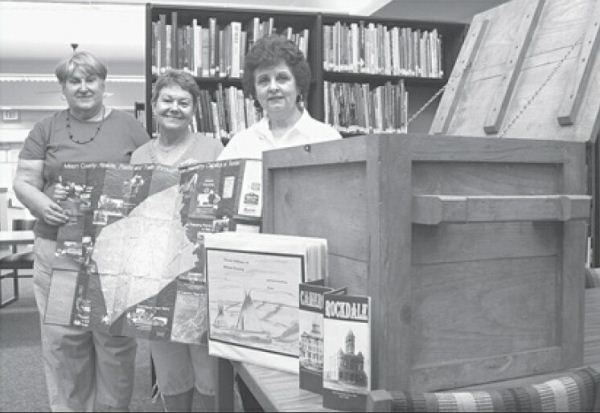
pixel 546 73
pixel 456 82
pixel 435 209
pixel 529 20
pixel 461 313
pixel 502 282
pixel 567 113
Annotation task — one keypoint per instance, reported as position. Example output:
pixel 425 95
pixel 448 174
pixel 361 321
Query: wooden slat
pixel 572 293
pixel 578 86
pixel 484 241
pixel 502 97
pixel 456 82
pixel 435 209
pixel 427 378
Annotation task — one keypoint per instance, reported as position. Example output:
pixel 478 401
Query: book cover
pixel 347 352
pixel 130 261
pixel 253 295
pixel 310 316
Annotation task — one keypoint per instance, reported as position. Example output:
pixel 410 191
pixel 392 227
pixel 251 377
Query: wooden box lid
pixel 527 69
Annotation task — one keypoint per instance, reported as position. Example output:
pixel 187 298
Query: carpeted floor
pixel 22 382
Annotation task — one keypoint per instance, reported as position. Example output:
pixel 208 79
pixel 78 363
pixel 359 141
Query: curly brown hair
pixel 271 50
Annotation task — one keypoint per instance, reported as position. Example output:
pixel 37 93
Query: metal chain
pixel 425 105
pixel 535 94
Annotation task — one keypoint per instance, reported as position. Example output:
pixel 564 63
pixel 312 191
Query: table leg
pixel 224 390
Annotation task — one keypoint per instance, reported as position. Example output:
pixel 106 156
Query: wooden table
pixel 278 391
pixel 14 238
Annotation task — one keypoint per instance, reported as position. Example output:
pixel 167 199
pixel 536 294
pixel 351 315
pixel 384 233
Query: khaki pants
pixel 85 370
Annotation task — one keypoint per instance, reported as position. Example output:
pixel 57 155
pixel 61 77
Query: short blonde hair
pixel 84 61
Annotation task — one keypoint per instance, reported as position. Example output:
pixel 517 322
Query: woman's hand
pixel 60 192
pixel 28 184
pixel 53 214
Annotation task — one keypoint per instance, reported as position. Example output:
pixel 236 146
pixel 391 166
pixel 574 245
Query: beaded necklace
pixel 70 133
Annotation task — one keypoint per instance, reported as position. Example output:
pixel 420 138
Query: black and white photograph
pixel 186 184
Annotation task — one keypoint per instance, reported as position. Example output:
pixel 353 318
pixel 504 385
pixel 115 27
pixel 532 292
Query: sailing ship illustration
pixel 248 326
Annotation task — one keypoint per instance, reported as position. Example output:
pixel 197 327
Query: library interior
pixel 310 205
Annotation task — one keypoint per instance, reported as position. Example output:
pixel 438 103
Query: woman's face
pixel 84 92
pixel 276 89
pixel 174 108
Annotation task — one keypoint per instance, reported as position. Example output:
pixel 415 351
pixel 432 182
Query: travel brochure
pixel 131 259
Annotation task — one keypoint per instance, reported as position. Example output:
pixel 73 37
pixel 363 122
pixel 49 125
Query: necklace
pixel 166 153
pixel 70 133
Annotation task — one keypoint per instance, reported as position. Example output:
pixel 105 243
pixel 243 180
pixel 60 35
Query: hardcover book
pixel 253 284
pixel 130 260
pixel 347 352
pixel 311 306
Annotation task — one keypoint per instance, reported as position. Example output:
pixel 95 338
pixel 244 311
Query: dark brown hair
pixel 271 50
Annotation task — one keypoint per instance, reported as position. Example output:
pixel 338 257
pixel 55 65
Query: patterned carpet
pixel 22 383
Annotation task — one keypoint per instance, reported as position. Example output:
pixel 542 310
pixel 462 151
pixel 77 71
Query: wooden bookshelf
pixel 420 89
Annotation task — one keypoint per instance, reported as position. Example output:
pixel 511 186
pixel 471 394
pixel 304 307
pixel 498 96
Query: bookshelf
pixel 301 24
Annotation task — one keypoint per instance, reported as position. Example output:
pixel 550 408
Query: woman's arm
pixel 28 184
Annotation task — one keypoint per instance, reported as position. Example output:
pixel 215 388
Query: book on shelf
pixel 360 108
pixel 209 47
pixel 311 307
pixel 347 372
pixel 253 300
pixel 130 260
pixel 375 48
pixel 225 112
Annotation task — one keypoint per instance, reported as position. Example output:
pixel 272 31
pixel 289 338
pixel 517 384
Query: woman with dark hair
pixel 180 368
pixel 277 75
pixel 85 370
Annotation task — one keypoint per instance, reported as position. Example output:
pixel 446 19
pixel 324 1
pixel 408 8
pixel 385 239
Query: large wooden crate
pixel 472 249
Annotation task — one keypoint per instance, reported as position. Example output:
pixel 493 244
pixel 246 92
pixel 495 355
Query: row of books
pixel 360 108
pixel 224 112
pixel 379 49
pixel 213 49
pixel 335 345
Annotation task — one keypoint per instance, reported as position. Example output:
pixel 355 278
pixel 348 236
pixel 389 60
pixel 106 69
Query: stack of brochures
pixel 253 298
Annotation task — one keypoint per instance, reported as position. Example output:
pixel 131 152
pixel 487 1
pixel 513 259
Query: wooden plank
pixel 454 374
pixel 572 293
pixel 348 272
pixel 278 391
pixel 502 96
pixel 474 149
pixel 484 241
pixel 331 152
pixel 459 311
pixel 476 178
pixel 435 209
pixel 302 201
pixel 456 82
pixel 569 108
pixel 389 281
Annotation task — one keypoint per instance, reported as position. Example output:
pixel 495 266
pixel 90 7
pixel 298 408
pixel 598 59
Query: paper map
pixel 130 260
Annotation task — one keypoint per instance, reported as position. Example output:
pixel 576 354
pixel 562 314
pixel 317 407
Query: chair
pixel 576 390
pixel 15 262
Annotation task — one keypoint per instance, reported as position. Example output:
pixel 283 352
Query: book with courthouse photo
pixel 131 260
pixel 253 300
pixel 311 306
pixel 347 352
